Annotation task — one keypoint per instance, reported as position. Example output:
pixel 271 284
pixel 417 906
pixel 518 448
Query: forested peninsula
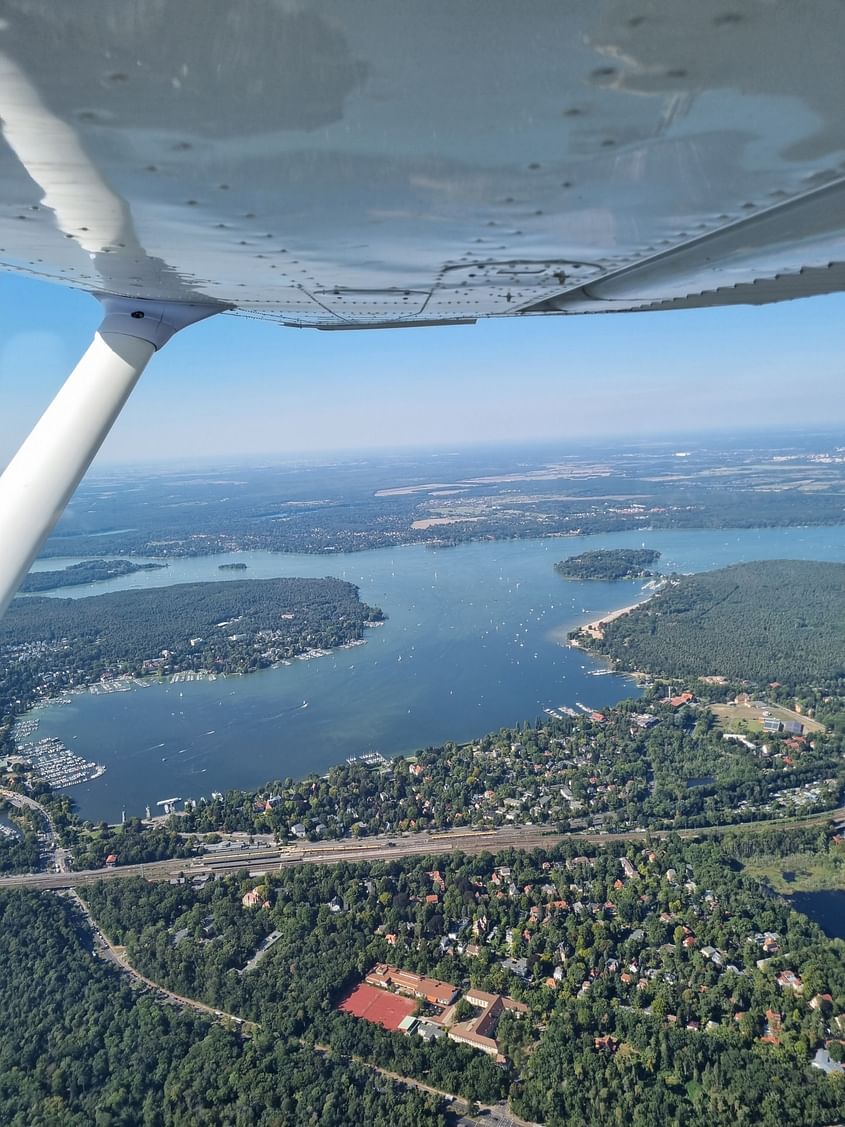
pixel 768 621
pixel 609 564
pixel 79 574
pixel 48 645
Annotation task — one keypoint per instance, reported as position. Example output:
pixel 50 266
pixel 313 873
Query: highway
pixel 266 859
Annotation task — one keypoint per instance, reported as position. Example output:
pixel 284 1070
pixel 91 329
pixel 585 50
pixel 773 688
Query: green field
pixel 799 872
pixel 732 717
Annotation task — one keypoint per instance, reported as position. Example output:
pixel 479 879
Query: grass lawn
pixel 731 716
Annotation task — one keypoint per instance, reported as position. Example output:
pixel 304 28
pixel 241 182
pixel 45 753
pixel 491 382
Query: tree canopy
pixel 78 1047
pixel 609 564
pixel 771 620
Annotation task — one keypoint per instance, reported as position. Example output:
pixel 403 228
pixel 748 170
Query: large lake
pixel 473 642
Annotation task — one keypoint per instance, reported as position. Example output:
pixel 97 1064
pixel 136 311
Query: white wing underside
pixel 366 163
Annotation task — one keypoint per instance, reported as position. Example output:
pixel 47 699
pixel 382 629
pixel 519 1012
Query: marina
pixel 117 685
pixel 57 764
pixel 24 728
pixel 561 711
pixel 371 758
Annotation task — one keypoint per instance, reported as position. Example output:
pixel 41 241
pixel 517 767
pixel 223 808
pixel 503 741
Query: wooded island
pixel 48 645
pixel 609 564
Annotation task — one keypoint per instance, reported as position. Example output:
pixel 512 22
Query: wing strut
pixel 39 481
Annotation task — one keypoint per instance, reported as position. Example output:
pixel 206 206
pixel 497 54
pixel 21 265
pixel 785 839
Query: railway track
pixel 260 861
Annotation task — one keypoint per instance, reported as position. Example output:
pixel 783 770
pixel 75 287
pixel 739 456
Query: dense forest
pixel 50 644
pixel 20 852
pixel 769 621
pixel 127 626
pixel 79 574
pixel 655 947
pixel 609 564
pixel 78 1047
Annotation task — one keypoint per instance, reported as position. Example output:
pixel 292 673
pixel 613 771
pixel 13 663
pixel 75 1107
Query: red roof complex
pixel 378 1006
pixel 432 989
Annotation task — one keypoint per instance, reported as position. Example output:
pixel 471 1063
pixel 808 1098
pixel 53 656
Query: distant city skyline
pixel 232 386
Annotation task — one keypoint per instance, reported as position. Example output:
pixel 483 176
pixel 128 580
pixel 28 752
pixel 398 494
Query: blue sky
pixel 232 386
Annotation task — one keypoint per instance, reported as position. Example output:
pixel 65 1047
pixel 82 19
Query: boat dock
pixel 371 758
pixel 563 710
pixel 57 764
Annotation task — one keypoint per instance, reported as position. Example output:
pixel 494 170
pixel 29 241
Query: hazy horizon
pixel 234 388
pixel 766 436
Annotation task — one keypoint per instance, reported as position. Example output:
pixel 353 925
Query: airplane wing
pixel 349 164
pixel 368 163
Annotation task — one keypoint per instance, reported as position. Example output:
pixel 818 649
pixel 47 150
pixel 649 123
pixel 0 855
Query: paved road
pixel 373 849
pixel 59 855
pixel 493 1113
pixel 118 957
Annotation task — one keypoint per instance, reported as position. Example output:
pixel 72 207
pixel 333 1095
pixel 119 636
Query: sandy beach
pixel 595 629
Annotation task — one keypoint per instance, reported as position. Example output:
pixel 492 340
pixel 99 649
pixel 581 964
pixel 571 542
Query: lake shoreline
pixel 477 639
pixel 825 907
pixel 595 628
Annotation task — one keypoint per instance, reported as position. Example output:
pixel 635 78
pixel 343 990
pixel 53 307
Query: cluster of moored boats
pixel 564 710
pixel 57 764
